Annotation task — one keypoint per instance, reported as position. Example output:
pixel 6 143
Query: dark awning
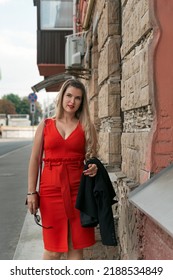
pixel 52 80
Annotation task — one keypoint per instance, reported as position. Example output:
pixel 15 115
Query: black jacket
pixel 95 199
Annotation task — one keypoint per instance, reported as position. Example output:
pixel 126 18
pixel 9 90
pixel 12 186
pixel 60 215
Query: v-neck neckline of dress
pixel 65 139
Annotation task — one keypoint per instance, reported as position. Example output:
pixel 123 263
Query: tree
pixel 24 106
pixel 7 107
pixel 38 112
pixel 15 99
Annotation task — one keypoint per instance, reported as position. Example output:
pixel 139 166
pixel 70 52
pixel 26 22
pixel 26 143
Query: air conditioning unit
pixel 74 50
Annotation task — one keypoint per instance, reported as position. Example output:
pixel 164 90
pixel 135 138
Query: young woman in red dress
pixel 69 139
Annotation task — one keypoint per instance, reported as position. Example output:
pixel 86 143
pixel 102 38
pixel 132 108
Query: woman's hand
pixel 91 171
pixel 33 203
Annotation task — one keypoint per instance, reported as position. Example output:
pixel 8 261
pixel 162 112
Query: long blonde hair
pixel 82 114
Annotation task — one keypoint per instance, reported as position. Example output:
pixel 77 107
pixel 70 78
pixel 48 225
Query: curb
pixel 30 245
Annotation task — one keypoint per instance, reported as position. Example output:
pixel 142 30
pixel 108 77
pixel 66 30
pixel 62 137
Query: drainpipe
pixel 88 14
pixel 74 16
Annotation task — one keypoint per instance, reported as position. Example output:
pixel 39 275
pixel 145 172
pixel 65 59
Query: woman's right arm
pixel 33 169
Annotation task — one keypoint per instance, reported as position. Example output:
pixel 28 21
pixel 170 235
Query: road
pixel 14 157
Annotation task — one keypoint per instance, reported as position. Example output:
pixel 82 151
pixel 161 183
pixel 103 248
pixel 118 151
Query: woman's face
pixel 72 99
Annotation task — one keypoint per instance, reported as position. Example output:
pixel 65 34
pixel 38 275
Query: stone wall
pixel 18 132
pixel 129 101
pixel 135 92
pixel 120 103
pixel 104 96
pixel 104 85
pixel 109 82
pixel 130 221
pixel 137 113
pixel 121 106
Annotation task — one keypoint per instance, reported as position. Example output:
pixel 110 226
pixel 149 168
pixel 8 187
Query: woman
pixel 69 140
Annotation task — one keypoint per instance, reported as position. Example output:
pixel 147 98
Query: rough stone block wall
pixel 136 105
pixel 125 135
pixel 135 87
pixel 129 221
pixel 134 155
pixel 110 128
pixel 109 81
pixel 104 96
pixel 104 83
pixel 135 91
pixel 135 23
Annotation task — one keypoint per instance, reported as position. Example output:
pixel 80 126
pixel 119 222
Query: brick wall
pixel 162 245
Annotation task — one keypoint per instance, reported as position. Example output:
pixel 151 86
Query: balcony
pixel 51 51
pixel 54 22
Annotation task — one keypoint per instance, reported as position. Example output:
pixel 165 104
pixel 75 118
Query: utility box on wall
pixel 74 51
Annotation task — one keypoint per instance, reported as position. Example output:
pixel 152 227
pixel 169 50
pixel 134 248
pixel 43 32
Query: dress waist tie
pixel 63 180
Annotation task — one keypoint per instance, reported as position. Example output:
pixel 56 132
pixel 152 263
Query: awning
pixel 154 198
pixel 52 80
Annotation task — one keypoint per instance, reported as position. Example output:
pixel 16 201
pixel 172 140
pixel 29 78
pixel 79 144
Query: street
pixel 9 145
pixel 14 157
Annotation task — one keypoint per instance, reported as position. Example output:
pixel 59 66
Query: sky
pixel 18 54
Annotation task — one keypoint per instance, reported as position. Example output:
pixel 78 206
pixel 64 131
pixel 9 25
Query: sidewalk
pixel 20 237
pixel 30 246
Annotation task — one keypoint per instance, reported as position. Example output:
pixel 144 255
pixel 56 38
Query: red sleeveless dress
pixel 63 166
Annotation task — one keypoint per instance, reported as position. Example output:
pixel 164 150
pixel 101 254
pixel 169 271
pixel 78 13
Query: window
pixel 56 14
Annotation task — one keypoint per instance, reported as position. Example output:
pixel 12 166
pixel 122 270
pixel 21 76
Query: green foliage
pixel 38 112
pixel 24 106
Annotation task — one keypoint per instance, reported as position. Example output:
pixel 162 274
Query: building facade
pixel 128 58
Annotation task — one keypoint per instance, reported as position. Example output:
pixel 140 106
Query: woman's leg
pixel 73 254
pixel 48 255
